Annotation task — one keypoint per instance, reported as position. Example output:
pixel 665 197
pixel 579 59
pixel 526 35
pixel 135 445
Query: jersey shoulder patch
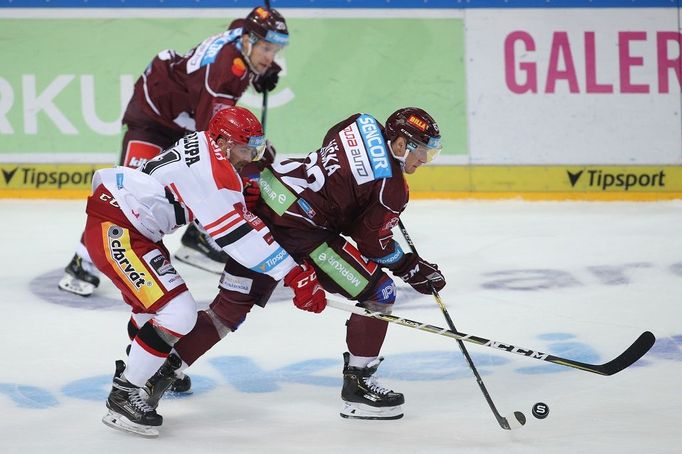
pixel 366 150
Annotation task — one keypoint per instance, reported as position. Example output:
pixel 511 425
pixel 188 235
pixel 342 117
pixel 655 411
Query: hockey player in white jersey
pixel 131 210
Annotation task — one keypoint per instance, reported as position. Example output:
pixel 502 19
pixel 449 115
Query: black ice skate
pixel 364 398
pixel 168 377
pixel 79 278
pixel 201 251
pixel 128 408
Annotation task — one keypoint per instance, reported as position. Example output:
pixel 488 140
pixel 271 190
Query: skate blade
pixel 352 410
pixel 199 260
pixel 120 422
pixel 76 286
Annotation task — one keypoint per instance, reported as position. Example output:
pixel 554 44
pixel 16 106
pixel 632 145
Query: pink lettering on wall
pixel 560 56
pixel 627 61
pixel 591 84
pixel 635 66
pixel 527 68
pixel 667 62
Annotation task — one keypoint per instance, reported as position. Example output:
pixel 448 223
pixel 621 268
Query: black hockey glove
pixel 267 80
pixel 418 273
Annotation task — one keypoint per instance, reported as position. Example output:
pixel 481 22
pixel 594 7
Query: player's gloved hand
pixel 251 193
pixel 268 80
pixel 419 273
pixel 308 293
pixel 269 154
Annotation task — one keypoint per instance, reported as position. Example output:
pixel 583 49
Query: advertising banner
pixel 65 82
pixel 574 86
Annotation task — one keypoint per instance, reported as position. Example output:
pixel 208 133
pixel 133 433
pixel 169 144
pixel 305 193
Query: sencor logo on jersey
pixel 375 146
pixel 206 52
pixel 366 150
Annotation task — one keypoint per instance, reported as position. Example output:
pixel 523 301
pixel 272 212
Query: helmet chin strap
pixel 246 52
pixel 400 159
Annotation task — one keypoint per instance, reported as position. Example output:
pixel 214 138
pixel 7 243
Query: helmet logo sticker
pixel 417 122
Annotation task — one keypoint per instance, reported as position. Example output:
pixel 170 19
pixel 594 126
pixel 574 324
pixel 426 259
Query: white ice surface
pixel 581 280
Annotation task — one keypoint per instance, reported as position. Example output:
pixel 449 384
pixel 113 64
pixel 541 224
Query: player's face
pixel 263 54
pixel 415 158
pixel 240 155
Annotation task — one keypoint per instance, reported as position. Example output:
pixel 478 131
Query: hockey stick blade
pixel 633 353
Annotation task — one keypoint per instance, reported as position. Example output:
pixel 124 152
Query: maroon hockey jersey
pixel 182 92
pixel 352 185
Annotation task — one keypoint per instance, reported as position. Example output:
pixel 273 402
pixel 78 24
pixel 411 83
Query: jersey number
pixel 161 160
pixel 312 170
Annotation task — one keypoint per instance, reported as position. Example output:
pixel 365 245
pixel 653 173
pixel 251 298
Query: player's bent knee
pixel 178 317
pixel 381 296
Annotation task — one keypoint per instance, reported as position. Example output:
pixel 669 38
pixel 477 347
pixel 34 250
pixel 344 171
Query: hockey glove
pixel 268 80
pixel 420 274
pixel 251 193
pixel 308 293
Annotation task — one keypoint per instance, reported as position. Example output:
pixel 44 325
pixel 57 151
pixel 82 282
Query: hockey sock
pixel 365 336
pixel 203 336
pixel 148 351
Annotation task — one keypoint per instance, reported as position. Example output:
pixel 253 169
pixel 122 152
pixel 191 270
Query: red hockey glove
pixel 268 80
pixel 308 293
pixel 251 193
pixel 419 273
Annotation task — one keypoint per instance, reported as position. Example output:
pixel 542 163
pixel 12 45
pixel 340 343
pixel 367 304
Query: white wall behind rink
pixel 578 86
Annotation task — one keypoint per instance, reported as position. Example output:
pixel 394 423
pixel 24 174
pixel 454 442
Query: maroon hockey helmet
pixel 267 24
pixel 239 126
pixel 418 127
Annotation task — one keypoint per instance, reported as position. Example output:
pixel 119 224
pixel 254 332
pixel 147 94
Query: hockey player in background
pixel 177 94
pixel 352 187
pixel 131 210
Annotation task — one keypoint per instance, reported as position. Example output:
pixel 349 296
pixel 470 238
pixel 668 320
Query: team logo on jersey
pixel 238 67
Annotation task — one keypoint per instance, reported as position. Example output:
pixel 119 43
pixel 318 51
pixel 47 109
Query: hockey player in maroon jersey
pixel 129 213
pixel 352 187
pixel 177 94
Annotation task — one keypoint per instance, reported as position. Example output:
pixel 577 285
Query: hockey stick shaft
pixel 264 107
pixel 502 421
pixel 625 359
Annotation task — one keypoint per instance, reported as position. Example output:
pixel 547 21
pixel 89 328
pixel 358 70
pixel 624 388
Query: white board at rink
pixel 574 86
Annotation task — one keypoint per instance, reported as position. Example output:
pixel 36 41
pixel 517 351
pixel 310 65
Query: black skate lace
pixel 374 385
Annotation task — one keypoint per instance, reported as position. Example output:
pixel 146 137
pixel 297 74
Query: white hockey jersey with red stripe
pixel 193 180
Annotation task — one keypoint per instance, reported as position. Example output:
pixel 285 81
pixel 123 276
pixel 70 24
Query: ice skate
pixel 364 398
pixel 168 377
pixel 128 408
pixel 199 250
pixel 80 277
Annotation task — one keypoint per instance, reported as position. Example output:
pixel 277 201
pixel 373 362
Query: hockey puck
pixel 540 410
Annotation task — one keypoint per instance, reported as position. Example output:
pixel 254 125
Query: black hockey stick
pixel 264 108
pixel 633 353
pixel 514 421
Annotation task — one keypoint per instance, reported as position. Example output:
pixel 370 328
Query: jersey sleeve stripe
pixel 221 220
pixel 235 235
pixel 218 231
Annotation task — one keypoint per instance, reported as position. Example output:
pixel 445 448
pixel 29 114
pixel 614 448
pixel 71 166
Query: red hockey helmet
pixel 267 24
pixel 239 126
pixel 418 128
